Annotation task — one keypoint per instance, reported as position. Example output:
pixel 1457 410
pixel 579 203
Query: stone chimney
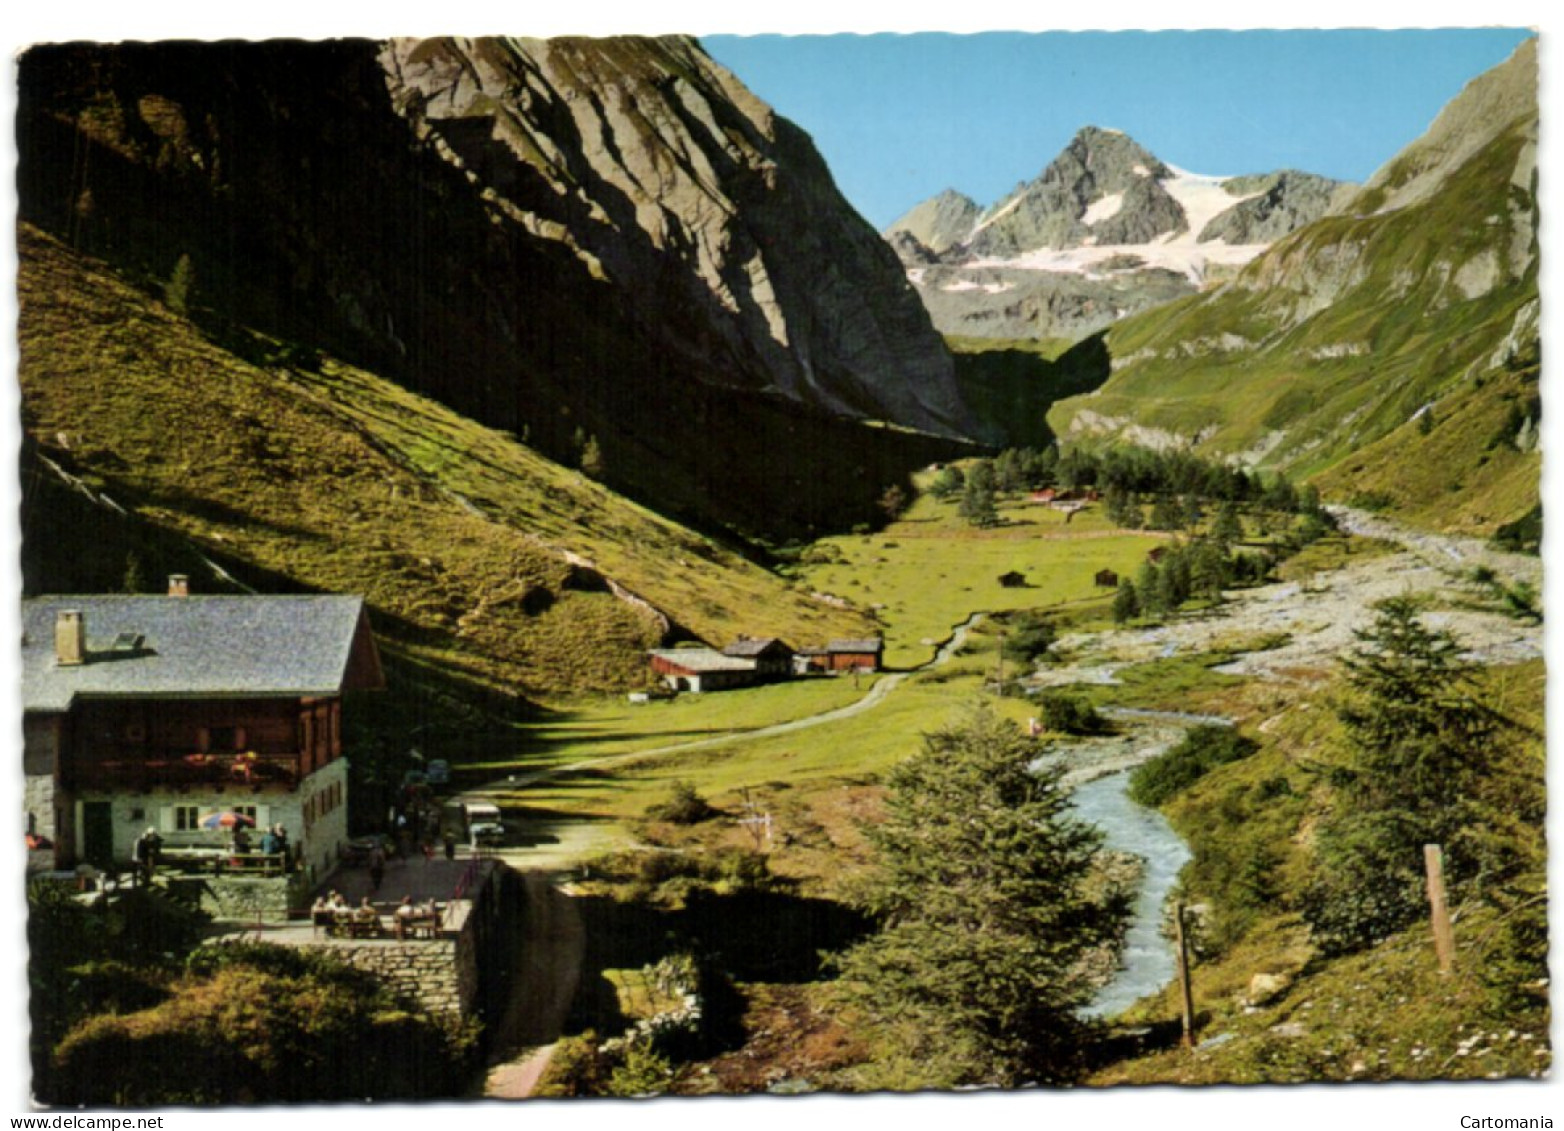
pixel 70 638
pixel 178 585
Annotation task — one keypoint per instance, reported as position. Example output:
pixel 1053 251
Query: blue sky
pixel 900 117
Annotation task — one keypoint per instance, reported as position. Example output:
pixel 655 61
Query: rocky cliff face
pixel 604 241
pixel 1106 230
pixel 1496 97
pixel 657 168
pixel 939 223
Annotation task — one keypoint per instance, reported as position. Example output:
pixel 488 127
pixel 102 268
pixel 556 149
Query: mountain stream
pixel 1099 771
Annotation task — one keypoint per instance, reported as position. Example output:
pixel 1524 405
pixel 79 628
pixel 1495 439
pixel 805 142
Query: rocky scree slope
pixel 564 239
pixel 1105 230
pixel 1403 327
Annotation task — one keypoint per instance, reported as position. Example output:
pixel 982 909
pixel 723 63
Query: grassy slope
pixel 1405 333
pixel 1464 475
pixel 336 480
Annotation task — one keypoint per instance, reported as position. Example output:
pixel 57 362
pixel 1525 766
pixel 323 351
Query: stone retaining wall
pixel 241 898
pixel 423 971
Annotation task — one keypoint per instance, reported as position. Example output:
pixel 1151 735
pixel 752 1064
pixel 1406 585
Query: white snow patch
pixel 1100 210
pixel 1141 171
pixel 1183 256
pixel 915 276
pixel 1201 197
pixel 969 285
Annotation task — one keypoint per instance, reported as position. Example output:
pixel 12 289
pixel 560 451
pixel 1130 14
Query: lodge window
pixel 187 818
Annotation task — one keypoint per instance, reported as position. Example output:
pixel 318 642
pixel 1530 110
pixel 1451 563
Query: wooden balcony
pixel 203 772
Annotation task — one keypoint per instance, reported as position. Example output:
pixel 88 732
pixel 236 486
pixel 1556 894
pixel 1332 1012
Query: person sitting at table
pixel 335 902
pixel 366 915
pixel 269 845
pixel 241 839
pixel 404 915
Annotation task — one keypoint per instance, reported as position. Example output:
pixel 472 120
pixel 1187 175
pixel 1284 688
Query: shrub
pixel 1524 535
pixel 1200 751
pixel 683 807
pixel 245 1035
pixel 1070 714
pixel 1368 883
pixel 1030 637
pixel 644 1072
pixel 577 1068
pixel 1370 501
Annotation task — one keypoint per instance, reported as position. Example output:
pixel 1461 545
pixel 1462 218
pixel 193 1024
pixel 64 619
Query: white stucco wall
pixel 133 814
pixel 326 833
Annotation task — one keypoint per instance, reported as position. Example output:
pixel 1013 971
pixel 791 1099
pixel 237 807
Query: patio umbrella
pixel 227 820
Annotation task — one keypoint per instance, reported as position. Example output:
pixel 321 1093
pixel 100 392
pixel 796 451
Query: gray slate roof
pixel 874 644
pixel 704 660
pixel 753 646
pixel 194 647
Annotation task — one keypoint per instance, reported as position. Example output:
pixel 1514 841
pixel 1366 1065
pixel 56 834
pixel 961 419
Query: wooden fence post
pixel 1439 910
pixel 1183 976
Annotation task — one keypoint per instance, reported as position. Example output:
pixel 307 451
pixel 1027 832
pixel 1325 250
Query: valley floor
pixel 815 773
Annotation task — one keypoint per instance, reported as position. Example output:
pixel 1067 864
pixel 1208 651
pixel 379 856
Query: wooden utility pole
pixel 1000 675
pixel 1439 910
pixel 1183 976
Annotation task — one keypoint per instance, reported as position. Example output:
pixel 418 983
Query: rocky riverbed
pixel 1308 624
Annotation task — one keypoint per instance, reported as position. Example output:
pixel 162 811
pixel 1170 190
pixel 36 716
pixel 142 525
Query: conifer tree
pixel 1420 746
pixel 1126 604
pixel 1228 527
pixel 977 498
pixel 983 897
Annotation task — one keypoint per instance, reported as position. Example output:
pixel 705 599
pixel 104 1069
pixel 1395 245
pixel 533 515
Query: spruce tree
pixel 1126 604
pixel 1165 514
pixel 977 498
pixel 1228 528
pixel 1420 744
pixel 983 895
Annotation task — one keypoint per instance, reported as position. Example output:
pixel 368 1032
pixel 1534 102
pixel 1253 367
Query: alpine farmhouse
pixel 156 711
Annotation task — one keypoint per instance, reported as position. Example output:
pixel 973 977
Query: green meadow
pixel 609 727
pixel 929 571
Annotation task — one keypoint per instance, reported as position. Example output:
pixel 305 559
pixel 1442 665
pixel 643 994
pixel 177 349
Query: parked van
pixel 483 822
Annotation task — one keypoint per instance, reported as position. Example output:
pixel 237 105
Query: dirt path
pixel 877 694
pixel 548 956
